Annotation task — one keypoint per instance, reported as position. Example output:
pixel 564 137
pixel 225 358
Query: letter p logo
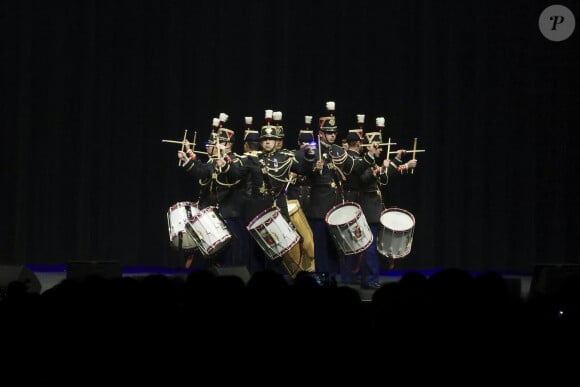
pixel 557 23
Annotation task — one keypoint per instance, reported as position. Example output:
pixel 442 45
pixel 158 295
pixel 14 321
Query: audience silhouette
pixel 420 310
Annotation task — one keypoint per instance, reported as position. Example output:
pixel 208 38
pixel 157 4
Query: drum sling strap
pixel 338 176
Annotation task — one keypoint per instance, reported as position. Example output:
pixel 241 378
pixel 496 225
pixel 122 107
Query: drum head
pixel 397 220
pixel 342 214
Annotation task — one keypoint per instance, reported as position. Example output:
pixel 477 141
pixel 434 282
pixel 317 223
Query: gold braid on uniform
pixel 279 173
pixel 372 163
pixel 224 184
pixel 205 181
pixel 339 160
pixel 378 177
pixel 386 180
pixel 386 173
pixel 215 177
pixel 351 166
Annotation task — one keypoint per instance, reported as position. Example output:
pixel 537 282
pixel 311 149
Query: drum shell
pixel 348 227
pixel 178 216
pixel 395 236
pixel 210 232
pixel 273 233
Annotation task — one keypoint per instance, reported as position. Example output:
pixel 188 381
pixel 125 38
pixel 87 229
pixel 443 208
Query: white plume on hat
pixel 223 118
pixel 380 121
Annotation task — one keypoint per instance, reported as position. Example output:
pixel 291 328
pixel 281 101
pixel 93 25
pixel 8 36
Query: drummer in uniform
pixel 350 265
pixel 325 192
pixel 266 174
pixel 363 187
pixel 298 194
pixel 218 189
pixel 299 188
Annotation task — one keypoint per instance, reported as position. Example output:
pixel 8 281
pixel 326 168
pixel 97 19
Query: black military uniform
pixel 364 187
pixel 325 193
pixel 299 188
pixel 265 174
pixel 350 265
pixel 226 194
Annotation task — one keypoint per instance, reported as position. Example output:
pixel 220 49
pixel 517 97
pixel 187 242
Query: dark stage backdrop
pixel 91 88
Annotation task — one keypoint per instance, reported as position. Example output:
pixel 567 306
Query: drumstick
pixel 320 153
pixel 217 147
pixel 182 146
pixel 388 150
pixel 181 142
pixel 291 180
pixel 381 144
pixel 413 153
pixel 415 150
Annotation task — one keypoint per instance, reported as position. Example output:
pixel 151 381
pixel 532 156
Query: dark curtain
pixel 90 88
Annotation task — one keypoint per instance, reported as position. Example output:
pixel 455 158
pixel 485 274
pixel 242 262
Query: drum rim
pixel 217 246
pixel 362 248
pixel 397 256
pixel 202 211
pixel 344 204
pixel 182 204
pixel 398 209
pixel 253 229
pixel 219 243
pixel 250 224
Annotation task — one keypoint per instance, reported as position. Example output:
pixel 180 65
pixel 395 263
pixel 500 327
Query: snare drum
pixel 178 216
pixel 396 235
pixel 210 232
pixel 349 228
pixel 273 233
